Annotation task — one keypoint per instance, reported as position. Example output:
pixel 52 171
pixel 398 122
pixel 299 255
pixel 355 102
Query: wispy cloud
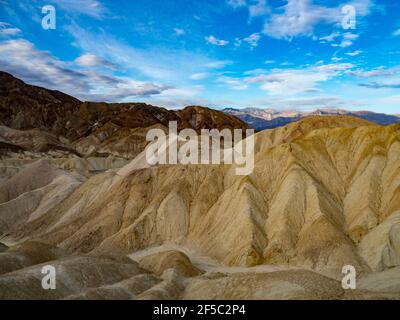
pixel 330 38
pixel 218 64
pixel 179 31
pixel 253 39
pixel 396 33
pixel 236 3
pixel 91 60
pixel 255 8
pixel 92 8
pixel 296 81
pixel 198 76
pixel 380 78
pixel 7 29
pixel 377 85
pixel 306 103
pixel 377 72
pixel 300 18
pixel 170 66
pixel 284 82
pixel 180 97
pixel 215 41
pixel 354 53
pixel 234 83
pixel 259 8
pixel 348 39
pixel 22 59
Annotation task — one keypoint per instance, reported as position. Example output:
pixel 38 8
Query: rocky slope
pixel 117 277
pixel 60 121
pixel 24 106
pixel 74 193
pixel 83 137
pixel 324 193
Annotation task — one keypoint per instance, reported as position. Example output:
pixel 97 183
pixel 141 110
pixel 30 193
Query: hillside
pixel 325 192
pixel 61 122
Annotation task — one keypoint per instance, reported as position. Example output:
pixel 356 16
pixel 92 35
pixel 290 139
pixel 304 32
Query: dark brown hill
pixel 95 127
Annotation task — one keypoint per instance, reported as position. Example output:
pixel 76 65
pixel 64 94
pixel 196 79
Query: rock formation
pixel 324 193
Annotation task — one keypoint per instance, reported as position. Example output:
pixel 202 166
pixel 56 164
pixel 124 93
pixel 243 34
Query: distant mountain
pixel 379 118
pixel 261 119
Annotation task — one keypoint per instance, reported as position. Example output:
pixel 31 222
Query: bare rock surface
pixel 297 208
pixel 324 193
pixel 159 262
pixel 3 247
pixel 28 254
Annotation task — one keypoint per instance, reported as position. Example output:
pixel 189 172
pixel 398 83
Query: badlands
pixel 324 193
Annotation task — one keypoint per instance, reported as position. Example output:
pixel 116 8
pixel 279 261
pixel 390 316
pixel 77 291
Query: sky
pixel 281 54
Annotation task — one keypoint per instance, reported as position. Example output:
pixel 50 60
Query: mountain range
pixel 262 119
pixel 37 119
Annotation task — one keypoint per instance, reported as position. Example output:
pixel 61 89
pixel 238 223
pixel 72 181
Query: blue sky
pixel 282 54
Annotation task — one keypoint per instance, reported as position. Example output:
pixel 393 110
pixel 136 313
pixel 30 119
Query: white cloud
pixel 256 72
pixel 305 103
pixel 7 30
pixel 157 64
pixel 236 3
pixel 343 44
pixel 354 53
pixel 347 40
pixel 396 33
pixel 295 81
pixel 217 42
pixel 377 72
pixel 258 9
pixel 269 61
pixel 234 83
pixel 363 7
pixel 198 76
pixel 92 8
pixel 335 67
pixel 253 39
pixel 179 98
pixel 350 36
pixel 300 17
pixel 91 60
pixel 330 37
pixel 238 42
pixel 218 64
pixel 284 82
pixel 392 100
pixel 290 82
pixel 179 32
pixel 22 59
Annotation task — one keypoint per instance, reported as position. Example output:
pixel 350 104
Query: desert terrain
pixel 324 193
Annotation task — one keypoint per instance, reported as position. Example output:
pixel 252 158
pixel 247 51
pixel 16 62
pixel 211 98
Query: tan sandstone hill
pixel 324 193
